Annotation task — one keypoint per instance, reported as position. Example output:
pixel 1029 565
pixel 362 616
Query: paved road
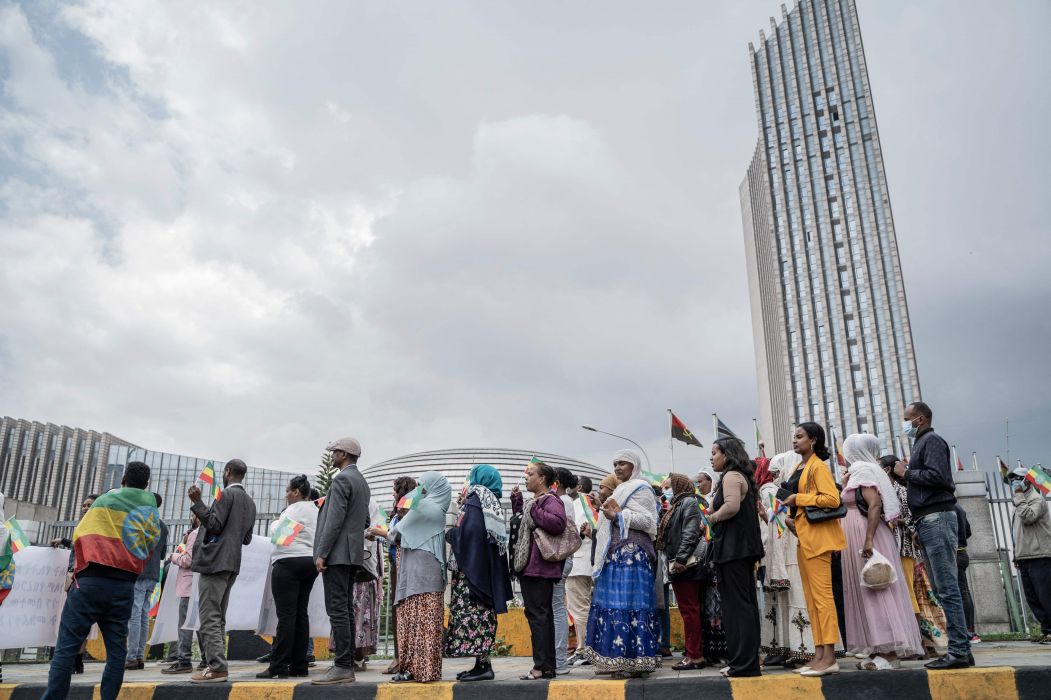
pixel 1017 654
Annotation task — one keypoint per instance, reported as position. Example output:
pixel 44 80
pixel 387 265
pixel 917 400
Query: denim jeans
pixel 558 609
pixel 937 535
pixel 92 600
pixel 184 653
pixel 139 624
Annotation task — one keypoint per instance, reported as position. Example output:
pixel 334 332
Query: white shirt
pixel 582 557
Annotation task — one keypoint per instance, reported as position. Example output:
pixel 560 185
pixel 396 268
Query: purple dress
pixel 878 621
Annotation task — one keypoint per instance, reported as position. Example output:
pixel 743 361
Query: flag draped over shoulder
pixel 7 564
pixel 680 432
pixel 120 530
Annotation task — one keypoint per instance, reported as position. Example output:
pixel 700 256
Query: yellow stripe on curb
pixel 262 691
pixel 592 690
pixel 961 684
pixel 442 690
pixel 6 689
pixel 782 687
pixel 129 691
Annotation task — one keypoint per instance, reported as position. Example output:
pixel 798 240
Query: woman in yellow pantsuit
pixel 811 484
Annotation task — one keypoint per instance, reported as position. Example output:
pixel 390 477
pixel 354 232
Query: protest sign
pixel 246 597
pixel 166 626
pixel 319 624
pixel 30 614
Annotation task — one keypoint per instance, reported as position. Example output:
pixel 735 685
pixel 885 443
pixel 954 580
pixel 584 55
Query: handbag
pixel 558 547
pixel 816 514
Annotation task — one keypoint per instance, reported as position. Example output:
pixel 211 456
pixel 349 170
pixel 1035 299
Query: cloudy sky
pixel 244 229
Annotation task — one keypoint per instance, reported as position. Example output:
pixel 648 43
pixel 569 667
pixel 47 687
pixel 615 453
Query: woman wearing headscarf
pixel 368 595
pixel 880 622
pixel 811 484
pixel 481 585
pixel 624 631
pixel 536 575
pixel 679 537
pixel 420 536
pixel 786 624
pixel 736 547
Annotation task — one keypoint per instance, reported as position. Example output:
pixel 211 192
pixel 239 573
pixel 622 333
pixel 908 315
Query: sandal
pixel 687 665
pixel 530 677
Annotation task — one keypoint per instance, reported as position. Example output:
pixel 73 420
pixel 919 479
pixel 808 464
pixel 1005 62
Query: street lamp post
pixel 621 437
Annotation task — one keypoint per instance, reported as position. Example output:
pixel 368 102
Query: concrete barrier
pixel 988 683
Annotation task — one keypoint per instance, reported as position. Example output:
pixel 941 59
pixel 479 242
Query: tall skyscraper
pixel 832 336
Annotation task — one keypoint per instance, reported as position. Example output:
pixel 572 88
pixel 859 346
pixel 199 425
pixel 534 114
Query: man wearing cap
pixel 1032 533
pixel 339 545
pixel 225 525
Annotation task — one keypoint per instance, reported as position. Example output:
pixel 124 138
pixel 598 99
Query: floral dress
pixel 472 626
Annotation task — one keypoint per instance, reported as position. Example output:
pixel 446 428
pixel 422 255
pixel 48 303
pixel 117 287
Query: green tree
pixel 326 472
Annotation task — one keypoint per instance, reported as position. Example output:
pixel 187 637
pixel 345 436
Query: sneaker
pixel 209 676
pixel 203 665
pixel 975 639
pixel 177 667
pixel 134 665
pixel 311 661
pixel 1046 639
pixel 578 661
pixel 335 676
pixel 563 671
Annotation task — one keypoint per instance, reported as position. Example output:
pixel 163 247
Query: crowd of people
pixel 773 563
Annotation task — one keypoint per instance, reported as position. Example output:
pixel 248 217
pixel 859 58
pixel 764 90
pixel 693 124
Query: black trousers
pixel 536 596
pixel 1036 584
pixel 962 562
pixel 736 580
pixel 291 581
pixel 339 597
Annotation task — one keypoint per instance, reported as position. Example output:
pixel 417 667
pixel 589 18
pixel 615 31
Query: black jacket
pixel 682 536
pixel 929 476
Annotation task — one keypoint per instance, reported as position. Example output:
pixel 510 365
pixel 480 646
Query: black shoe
pixel 78 663
pixel 271 673
pixel 484 673
pixel 311 661
pixel 264 659
pixel 469 672
pixel 403 677
pixel 946 662
pixel 134 665
pixel 970 659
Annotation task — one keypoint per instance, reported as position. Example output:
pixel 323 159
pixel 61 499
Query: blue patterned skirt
pixel 624 629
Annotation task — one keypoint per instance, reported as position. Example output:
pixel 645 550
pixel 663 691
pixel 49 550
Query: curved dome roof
pixel 456 464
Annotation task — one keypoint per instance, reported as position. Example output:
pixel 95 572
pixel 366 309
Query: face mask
pixel 669 494
pixel 909 429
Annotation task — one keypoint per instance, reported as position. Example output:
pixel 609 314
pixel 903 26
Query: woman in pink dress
pixel 880 622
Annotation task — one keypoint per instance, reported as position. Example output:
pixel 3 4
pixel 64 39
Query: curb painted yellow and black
pixel 983 683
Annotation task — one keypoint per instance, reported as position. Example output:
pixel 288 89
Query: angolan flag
pixel 680 432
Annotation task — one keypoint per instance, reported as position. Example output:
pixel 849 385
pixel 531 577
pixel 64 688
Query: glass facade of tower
pixel 832 334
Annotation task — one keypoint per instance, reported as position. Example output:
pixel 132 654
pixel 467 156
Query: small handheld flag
pixel 1035 476
pixel 410 500
pixel 285 531
pixel 382 515
pixel 208 477
pixel 155 596
pixel 776 507
pixel 1004 469
pixel 589 512
pixel 706 524
pixel 19 541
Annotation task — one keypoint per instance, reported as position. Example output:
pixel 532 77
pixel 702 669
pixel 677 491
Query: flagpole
pixel 715 427
pixel 955 459
pixel 671 440
pixel 835 452
pixel 755 427
pixel 974 461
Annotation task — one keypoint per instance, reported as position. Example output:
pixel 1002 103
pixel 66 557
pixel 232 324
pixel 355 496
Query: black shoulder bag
pixel 814 514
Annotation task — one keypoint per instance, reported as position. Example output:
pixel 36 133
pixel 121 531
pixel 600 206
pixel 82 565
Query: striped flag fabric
pixel 120 530
pixel 17 535
pixel 1039 478
pixel 589 511
pixel 208 477
pixel 410 500
pixel 285 531
pixel 722 430
pixel 1005 470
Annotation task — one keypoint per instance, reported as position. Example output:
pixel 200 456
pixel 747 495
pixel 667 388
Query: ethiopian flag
pixel 285 531
pixel 7 567
pixel 17 535
pixel 208 478
pixel 1039 478
pixel 120 530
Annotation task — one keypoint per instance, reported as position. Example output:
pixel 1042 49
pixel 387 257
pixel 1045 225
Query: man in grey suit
pixel 339 545
pixel 226 525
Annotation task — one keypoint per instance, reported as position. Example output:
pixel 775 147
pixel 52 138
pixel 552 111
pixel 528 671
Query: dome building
pixel 456 465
